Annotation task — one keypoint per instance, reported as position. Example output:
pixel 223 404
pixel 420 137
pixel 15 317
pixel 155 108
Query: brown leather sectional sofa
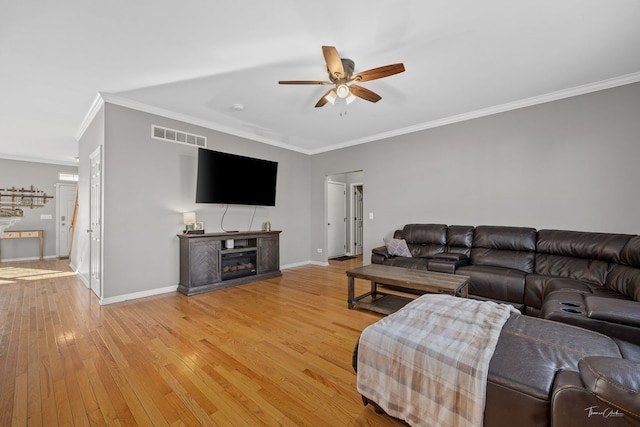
pixel 545 373
pixel 586 279
pixel 573 357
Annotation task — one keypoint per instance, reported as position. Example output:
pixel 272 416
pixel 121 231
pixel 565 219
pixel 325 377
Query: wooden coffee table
pixel 415 280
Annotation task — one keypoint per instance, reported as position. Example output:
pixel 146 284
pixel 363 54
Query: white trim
pixel 527 102
pixel 136 295
pixel 320 263
pixel 352 228
pixel 28 258
pixel 165 290
pixel 80 276
pixel 295 264
pixel 38 160
pixel 97 104
pixel 145 108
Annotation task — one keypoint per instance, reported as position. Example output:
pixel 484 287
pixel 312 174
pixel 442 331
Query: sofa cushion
pixel 581 269
pixel 598 246
pixel 572 308
pixel 509 247
pixel 496 283
pixel 578 255
pixel 425 233
pixel 631 252
pixel 612 310
pixel 625 280
pixel 542 348
pixel 405 262
pixel 460 239
pixel 424 240
pixel 538 288
pixel 397 247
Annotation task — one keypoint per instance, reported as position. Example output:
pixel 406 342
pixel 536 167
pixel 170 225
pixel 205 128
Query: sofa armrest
pixel 614 381
pixel 379 254
pixel 447 262
pixel 574 405
pixel 462 259
pixel 624 312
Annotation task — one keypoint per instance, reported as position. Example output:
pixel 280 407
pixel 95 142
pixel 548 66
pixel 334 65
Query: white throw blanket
pixel 427 363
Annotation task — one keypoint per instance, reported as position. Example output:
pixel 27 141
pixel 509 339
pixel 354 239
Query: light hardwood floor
pixel 275 352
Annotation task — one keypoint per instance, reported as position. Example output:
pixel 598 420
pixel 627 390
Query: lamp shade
pixel 189 217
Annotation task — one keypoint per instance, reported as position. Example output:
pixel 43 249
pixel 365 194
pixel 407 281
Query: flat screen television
pixel 235 180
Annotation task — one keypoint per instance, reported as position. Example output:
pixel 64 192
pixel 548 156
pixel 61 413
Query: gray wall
pixel 43 176
pixel 569 164
pixel 149 183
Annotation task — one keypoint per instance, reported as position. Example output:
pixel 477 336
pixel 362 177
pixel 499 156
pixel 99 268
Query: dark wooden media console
pixel 219 260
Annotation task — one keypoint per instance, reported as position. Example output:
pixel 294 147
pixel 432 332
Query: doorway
pixel 65 203
pixel 337 219
pixel 342 203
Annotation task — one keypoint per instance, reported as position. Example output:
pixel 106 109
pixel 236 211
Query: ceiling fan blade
pixel 364 93
pixel 324 99
pixel 378 73
pixel 303 82
pixel 334 63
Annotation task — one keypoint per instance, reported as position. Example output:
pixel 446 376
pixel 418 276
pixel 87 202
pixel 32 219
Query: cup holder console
pixel 569 304
pixel 571 310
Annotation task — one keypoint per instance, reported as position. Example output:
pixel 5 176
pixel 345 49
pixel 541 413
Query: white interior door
pixel 337 219
pixel 95 230
pixel 65 199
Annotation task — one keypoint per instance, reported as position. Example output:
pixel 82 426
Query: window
pixel 67 177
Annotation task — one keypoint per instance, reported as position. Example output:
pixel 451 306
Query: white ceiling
pixel 194 60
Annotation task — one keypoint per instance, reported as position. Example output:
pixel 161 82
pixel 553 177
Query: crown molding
pixel 97 104
pixel 38 160
pixel 527 102
pixel 146 108
pixel 101 98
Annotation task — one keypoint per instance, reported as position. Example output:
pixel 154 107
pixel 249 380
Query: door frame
pixel 354 217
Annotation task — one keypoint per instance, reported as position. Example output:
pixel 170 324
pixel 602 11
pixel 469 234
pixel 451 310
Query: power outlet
pixel 319 250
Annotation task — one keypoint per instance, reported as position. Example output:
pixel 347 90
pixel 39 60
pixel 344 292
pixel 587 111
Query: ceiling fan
pixel 341 75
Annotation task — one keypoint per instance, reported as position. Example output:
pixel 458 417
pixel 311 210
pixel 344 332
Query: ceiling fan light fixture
pixel 343 91
pixel 350 98
pixel 331 97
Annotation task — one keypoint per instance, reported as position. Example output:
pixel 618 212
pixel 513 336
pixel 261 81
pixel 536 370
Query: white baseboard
pixel 84 279
pixel 29 258
pixel 300 264
pixel 136 295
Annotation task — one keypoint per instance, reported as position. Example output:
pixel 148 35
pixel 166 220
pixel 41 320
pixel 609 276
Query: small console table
pixel 219 260
pixel 24 234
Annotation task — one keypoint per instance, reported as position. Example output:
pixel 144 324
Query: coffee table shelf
pixel 381 302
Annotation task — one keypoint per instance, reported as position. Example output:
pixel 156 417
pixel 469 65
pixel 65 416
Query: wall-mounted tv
pixel 235 180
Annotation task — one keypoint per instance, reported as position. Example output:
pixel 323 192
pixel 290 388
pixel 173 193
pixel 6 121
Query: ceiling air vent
pixel 166 134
